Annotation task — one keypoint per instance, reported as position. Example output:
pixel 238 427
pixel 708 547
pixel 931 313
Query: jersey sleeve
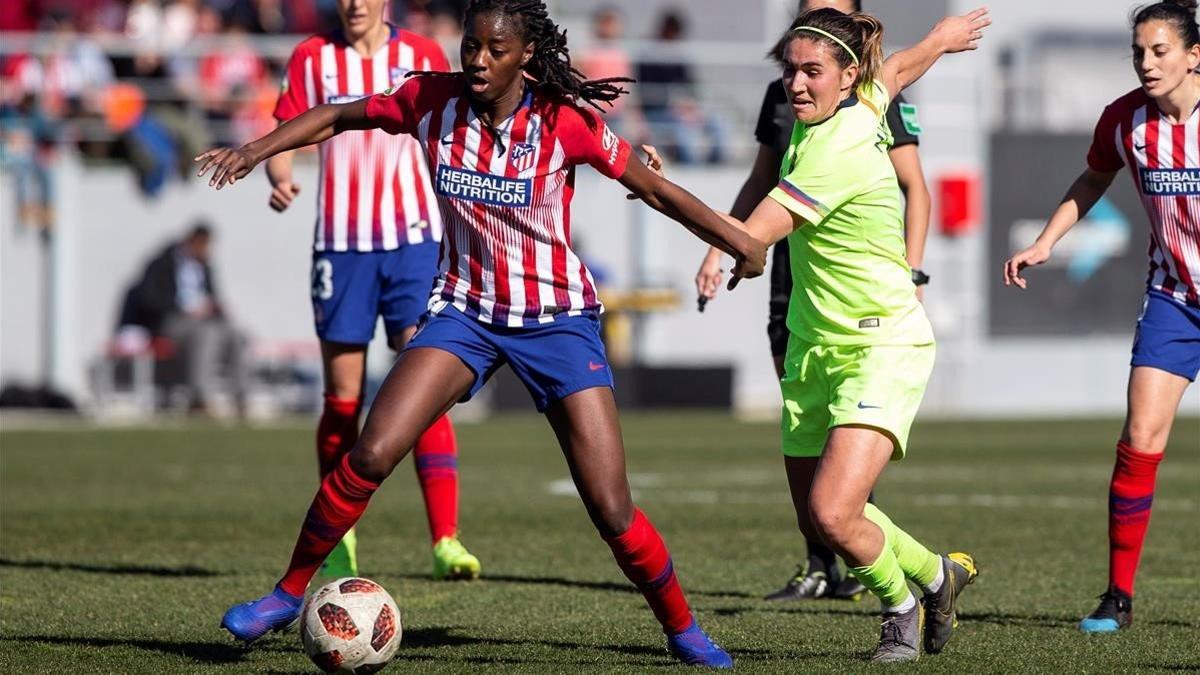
pixel 1103 155
pixel 587 139
pixel 395 110
pixel 293 92
pixel 902 120
pixel 816 187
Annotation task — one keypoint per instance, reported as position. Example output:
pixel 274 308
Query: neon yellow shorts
pixel 827 386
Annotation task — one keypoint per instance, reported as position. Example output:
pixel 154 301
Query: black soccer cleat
pixel 1114 613
pixel 805 586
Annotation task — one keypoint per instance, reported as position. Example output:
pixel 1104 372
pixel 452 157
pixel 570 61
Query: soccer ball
pixel 350 626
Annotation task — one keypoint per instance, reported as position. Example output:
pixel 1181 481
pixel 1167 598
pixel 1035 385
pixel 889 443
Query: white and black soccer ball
pixel 350 625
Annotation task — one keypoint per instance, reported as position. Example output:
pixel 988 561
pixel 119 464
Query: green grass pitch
pixel 120 549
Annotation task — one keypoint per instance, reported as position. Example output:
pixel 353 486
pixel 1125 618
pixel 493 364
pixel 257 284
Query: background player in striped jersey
pixel 375 250
pixel 503 139
pixel 820 575
pixel 1155 132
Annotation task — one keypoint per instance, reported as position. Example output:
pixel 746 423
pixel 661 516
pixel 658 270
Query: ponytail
pixel 871 56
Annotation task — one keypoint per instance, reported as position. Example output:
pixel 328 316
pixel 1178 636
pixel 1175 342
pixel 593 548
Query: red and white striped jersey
pixel 1164 160
pixel 374 192
pixel 505 195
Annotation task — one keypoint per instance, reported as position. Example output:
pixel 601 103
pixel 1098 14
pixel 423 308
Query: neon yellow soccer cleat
pixel 343 559
pixel 452 560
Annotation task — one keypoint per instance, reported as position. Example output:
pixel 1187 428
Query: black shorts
pixel 781 292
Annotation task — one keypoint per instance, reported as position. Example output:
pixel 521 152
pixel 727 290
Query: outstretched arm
pixel 316 124
pixel 951 35
pixel 1080 198
pixel 680 205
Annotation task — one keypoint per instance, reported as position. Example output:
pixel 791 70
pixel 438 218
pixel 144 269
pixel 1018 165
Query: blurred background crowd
pixel 152 82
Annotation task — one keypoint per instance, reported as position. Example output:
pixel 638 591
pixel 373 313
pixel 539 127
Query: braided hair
pixel 550 67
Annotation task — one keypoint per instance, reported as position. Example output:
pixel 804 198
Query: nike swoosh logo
pixel 1139 148
pixel 864 406
pixel 593 366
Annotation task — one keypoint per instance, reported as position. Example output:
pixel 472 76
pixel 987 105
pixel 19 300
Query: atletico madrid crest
pixel 522 156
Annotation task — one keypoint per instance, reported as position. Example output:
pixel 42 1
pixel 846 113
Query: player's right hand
pixel 708 279
pixel 282 195
pixel 1034 255
pixel 228 165
pixel 749 266
pixel 962 33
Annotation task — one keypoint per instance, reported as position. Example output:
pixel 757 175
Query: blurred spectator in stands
pixel 605 56
pixel 76 72
pixel 445 26
pixel 231 75
pixel 303 16
pixel 27 137
pixel 667 89
pixel 179 23
pixel 176 299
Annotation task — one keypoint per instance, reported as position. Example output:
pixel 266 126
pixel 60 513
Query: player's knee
pixel 612 515
pixel 834 523
pixel 1146 437
pixel 373 459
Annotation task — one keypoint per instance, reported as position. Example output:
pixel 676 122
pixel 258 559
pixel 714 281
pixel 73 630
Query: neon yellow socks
pixel 921 565
pixel 886 580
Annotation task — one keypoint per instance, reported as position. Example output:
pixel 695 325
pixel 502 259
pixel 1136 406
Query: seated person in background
pixel 175 299
pixel 670 104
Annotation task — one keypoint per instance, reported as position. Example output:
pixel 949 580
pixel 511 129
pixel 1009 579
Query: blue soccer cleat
pixel 251 620
pixel 695 648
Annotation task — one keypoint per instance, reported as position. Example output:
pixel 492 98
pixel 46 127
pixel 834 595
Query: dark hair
pixel 550 66
pixel 803 6
pixel 200 230
pixel 1181 14
pixel 862 33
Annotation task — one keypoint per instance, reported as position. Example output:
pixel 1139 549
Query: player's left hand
pixel 962 33
pixel 228 165
pixel 654 162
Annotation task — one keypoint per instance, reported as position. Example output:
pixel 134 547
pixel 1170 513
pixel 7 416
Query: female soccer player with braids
pixel 820 575
pixel 502 140
pixel 861 349
pixel 1153 130
pixel 375 252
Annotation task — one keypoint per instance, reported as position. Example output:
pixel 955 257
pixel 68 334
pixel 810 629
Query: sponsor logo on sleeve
pixel 611 144
pixel 1170 182
pixel 483 188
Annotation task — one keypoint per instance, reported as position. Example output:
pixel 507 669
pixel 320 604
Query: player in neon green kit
pixel 861 349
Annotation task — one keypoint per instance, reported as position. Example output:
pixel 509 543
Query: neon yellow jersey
pixel 851 283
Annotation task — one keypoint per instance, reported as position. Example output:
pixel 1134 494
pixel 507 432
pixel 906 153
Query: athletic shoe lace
pixel 890 633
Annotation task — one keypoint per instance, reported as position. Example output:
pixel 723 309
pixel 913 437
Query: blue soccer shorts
pixel 351 290
pixel 553 360
pixel 1168 336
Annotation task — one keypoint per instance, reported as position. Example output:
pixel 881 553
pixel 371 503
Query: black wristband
pixel 919 277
